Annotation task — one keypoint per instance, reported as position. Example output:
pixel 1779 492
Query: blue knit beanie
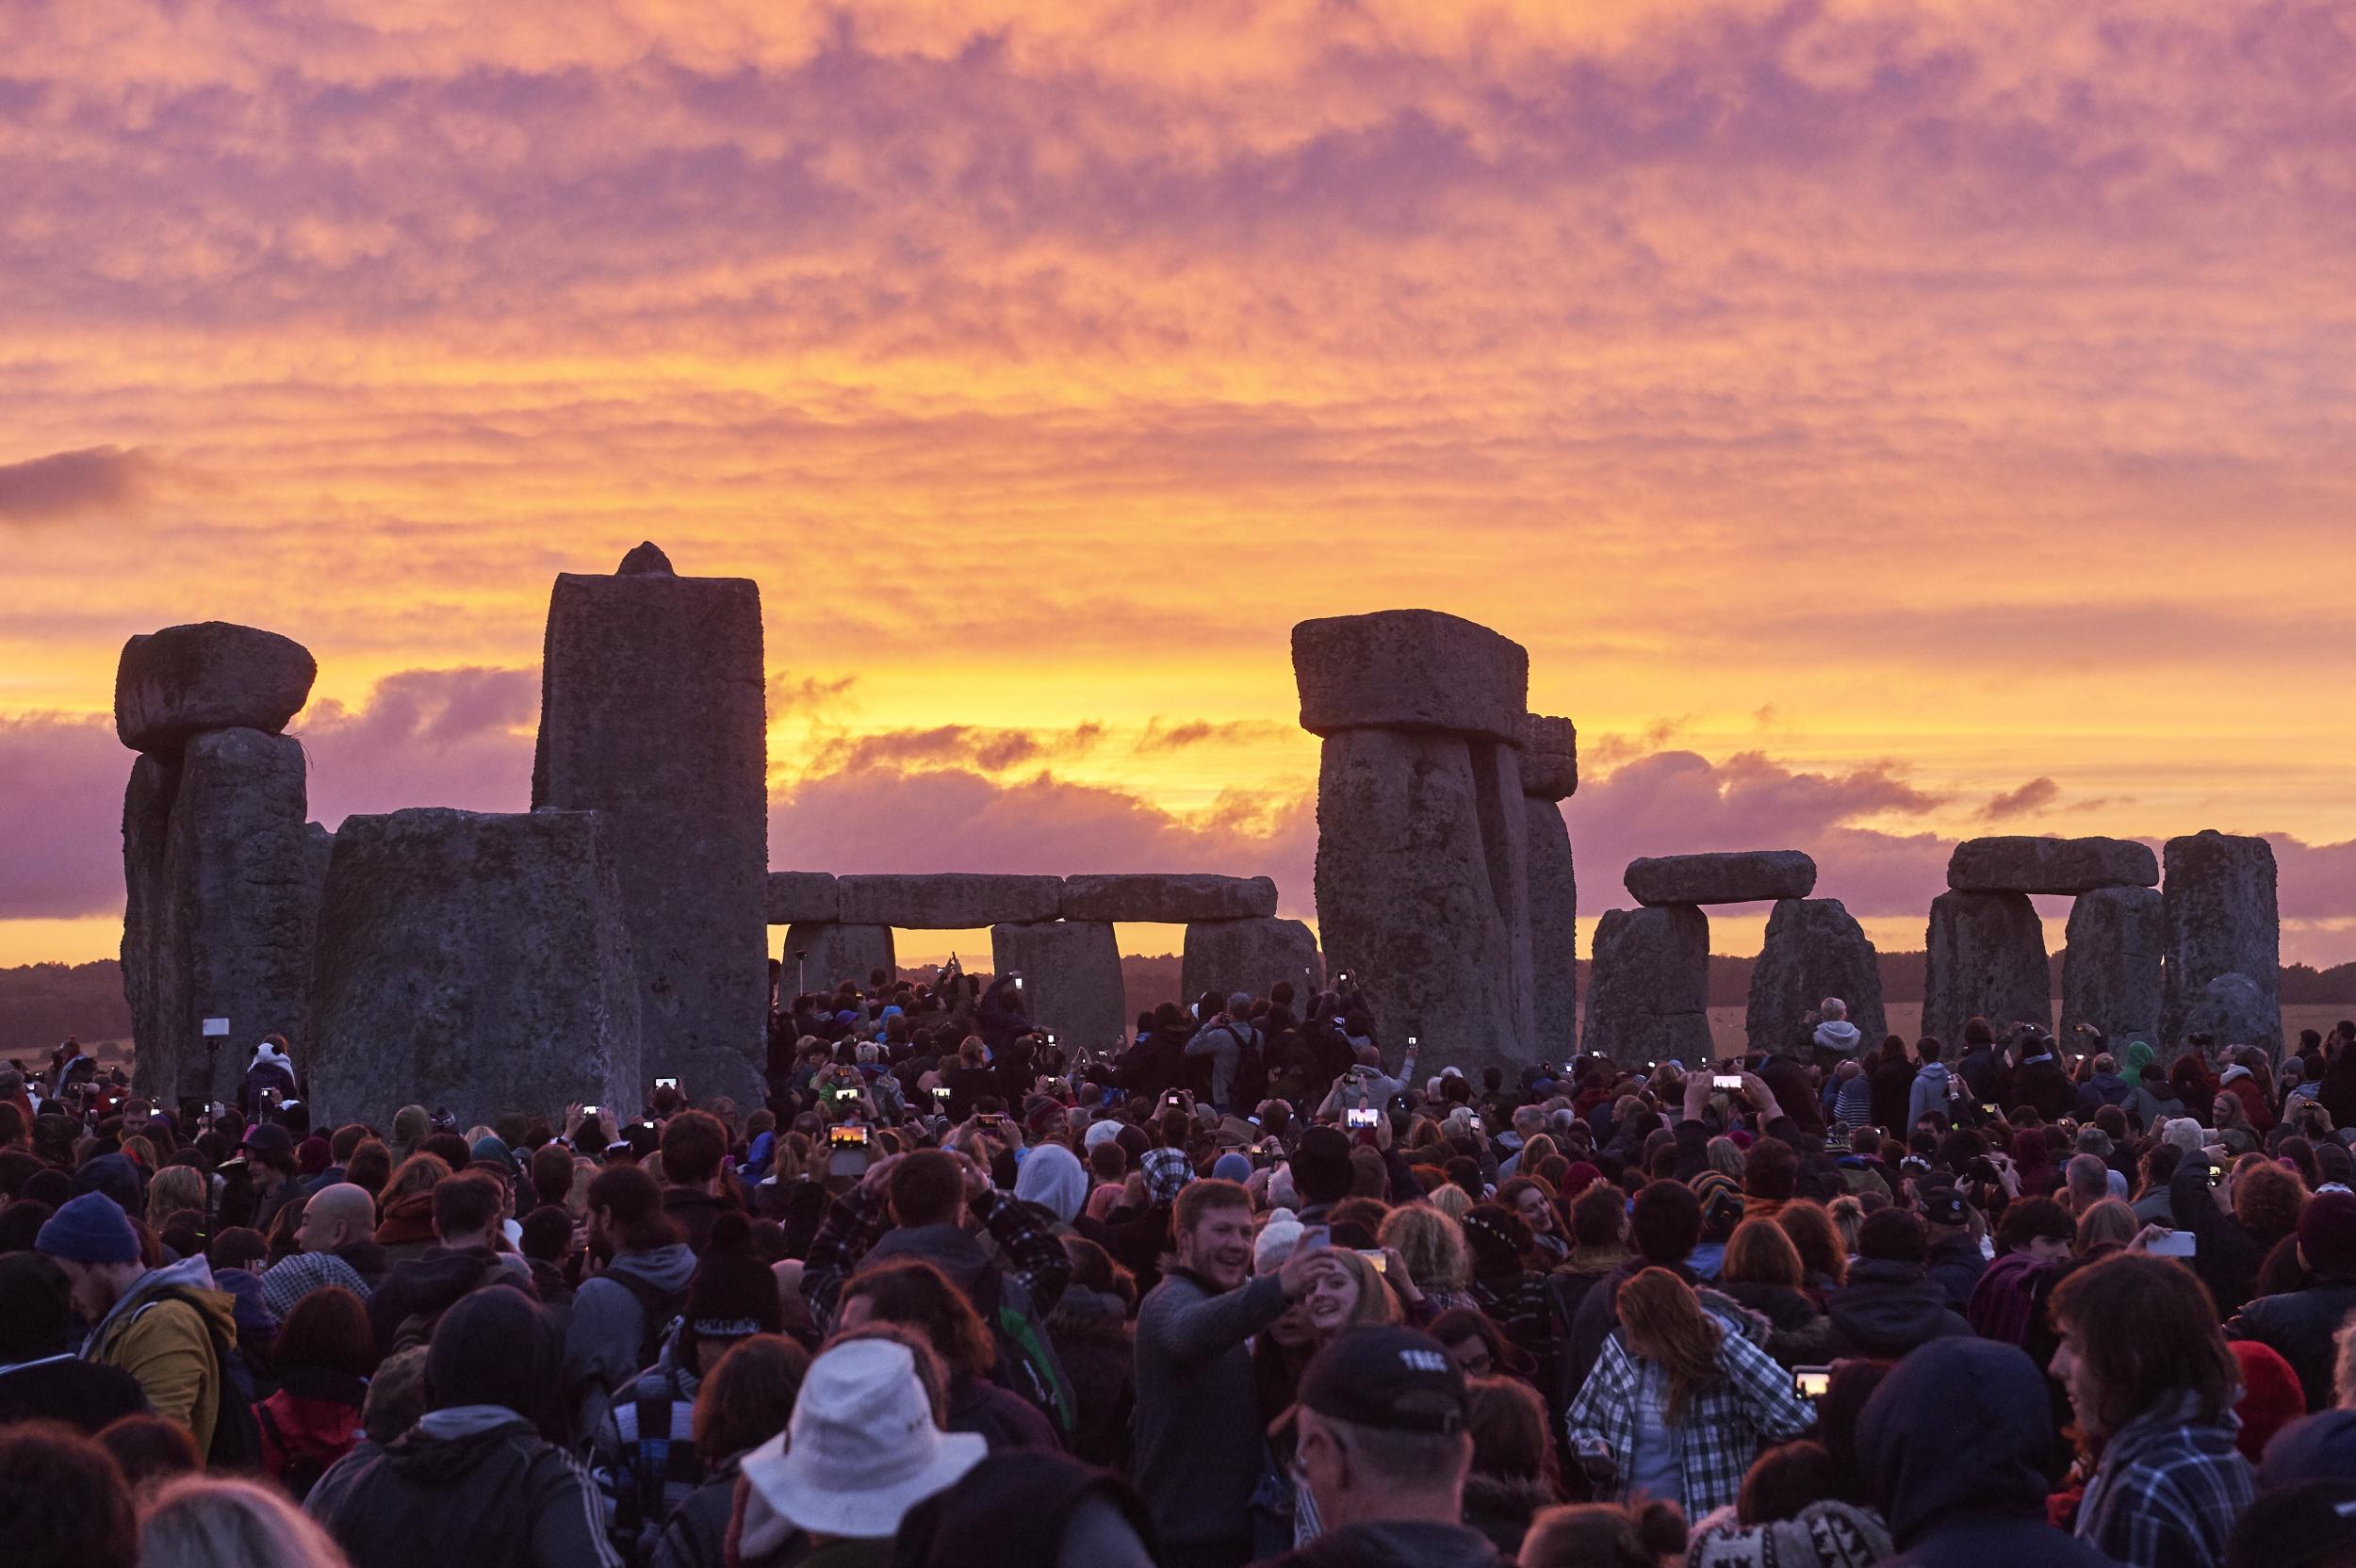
pixel 1232 1167
pixel 90 1228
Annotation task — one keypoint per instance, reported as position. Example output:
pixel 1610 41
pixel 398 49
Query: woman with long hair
pixel 1513 1474
pixel 1432 1245
pixel 1762 1270
pixel 1345 1292
pixel 325 1354
pixel 404 1211
pixel 1824 1258
pixel 202 1522
pixel 1678 1404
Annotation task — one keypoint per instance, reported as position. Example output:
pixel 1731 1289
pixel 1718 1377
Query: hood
pixel 1950 1399
pixel 1888 1308
pixel 944 1246
pixel 1838 1034
pixel 192 1275
pixel 1078 1300
pixel 1935 1071
pixel 442 1276
pixel 666 1269
pixel 446 1444
pixel 1051 1176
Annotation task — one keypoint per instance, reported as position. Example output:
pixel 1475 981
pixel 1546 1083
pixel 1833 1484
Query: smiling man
pixel 1199 1437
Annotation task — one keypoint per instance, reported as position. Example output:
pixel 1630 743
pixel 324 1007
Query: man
pixel 1951 1258
pixel 404 1309
pixel 1666 1223
pixel 1935 1088
pixel 1378 1438
pixel 620 1311
pixel 1225 1039
pixel 1887 1307
pixel 2104 1087
pixel 919 1205
pixel 40 1378
pixel 693 1145
pixel 1200 1445
pixel 270 1163
pixel 338 1246
pixel 1836 1038
pixel 2153 1386
pixel 2039 1080
pixel 2033 1246
pixel 167 1327
pixel 2301 1323
pixel 473 1482
pixel 2087 1182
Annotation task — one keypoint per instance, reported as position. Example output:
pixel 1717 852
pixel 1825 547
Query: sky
pixel 1882 423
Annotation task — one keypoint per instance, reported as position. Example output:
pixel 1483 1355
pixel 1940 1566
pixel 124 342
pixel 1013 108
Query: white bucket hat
pixel 861 1450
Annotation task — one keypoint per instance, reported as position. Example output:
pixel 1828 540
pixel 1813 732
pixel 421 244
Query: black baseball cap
pixel 1396 1379
pixel 1946 1206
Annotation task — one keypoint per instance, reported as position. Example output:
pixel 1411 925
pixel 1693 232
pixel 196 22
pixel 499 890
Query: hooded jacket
pixel 1888 1309
pixel 162 1333
pixel 1954 1446
pixel 428 1285
pixel 1093 1340
pixel 601 1342
pixel 2299 1325
pixel 1394 1544
pixel 1837 1036
pixel 1929 1094
pixel 471 1484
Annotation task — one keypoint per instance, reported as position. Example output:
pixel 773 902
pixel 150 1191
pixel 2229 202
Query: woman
pixel 1433 1247
pixel 404 1213
pixel 2148 1097
pixel 2231 1121
pixel 1345 1292
pixel 1823 1261
pixel 1534 1202
pixel 915 1294
pixel 176 1189
pixel 1892 1086
pixel 1678 1404
pixel 745 1401
pixel 1506 1288
pixel 2104 1228
pixel 1513 1474
pixel 325 1354
pixel 1606 1535
pixel 198 1522
pixel 1763 1271
pixel 1091 1333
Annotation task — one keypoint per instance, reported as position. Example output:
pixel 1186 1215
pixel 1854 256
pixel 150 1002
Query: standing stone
pixel 1071 973
pixel 1553 930
pixel 1648 987
pixel 1231 956
pixel 1815 949
pixel 821 954
pixel 652 712
pixel 1986 958
pixel 2015 863
pixel 2233 1010
pixel 151 980
pixel 2111 970
pixel 476 961
pixel 1410 669
pixel 174 684
pixel 2223 919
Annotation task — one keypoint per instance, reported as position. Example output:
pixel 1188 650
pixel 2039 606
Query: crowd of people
pixel 1245 1287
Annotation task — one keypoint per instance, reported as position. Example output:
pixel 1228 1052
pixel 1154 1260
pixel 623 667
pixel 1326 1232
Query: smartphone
pixel 1987 1109
pixel 1376 1257
pixel 1018 982
pixel 2175 1244
pixel 2216 1177
pixel 666 1082
pixel 847 1137
pixel 842 1095
pixel 940 1091
pixel 1051 1040
pixel 1811 1383
pixel 1725 1080
pixel 1360 1117
pixel 1411 1042
pixel 588 1110
pixel 1473 1122
pixel 990 1119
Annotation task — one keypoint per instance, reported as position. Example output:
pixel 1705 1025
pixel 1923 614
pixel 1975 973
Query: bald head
pixel 336 1216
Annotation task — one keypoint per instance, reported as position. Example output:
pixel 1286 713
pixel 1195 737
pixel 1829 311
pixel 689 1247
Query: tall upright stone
pixel 1815 950
pixel 1422 871
pixel 476 961
pixel 1253 955
pixel 2111 970
pixel 653 710
pixel 820 955
pixel 1986 959
pixel 1648 986
pixel 1071 973
pixel 2223 919
pixel 1550 775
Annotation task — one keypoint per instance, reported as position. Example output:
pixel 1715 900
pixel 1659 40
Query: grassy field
pixel 1905 1018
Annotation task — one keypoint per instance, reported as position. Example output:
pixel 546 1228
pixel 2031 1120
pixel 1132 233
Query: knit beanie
pixel 495 1346
pixel 1232 1167
pixel 2271 1397
pixel 1276 1242
pixel 313 1155
pixel 2326 1232
pixel 410 1125
pixel 90 1228
pixel 732 1293
pixel 1577 1179
pixel 490 1147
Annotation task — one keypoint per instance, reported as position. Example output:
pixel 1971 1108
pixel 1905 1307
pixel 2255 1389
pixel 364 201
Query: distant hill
pixel 43 1004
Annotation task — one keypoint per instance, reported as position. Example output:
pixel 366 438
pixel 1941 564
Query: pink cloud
pixel 61 782
pixel 458 737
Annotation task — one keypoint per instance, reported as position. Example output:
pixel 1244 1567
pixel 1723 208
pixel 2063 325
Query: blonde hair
pixel 1450 1199
pixel 1376 1304
pixel 174 1189
pixel 1430 1243
pixel 203 1521
pixel 2108 1223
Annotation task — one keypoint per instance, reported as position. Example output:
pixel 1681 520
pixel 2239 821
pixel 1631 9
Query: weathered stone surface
pixel 821 954
pixel 218 917
pixel 1815 949
pixel 476 961
pixel 2015 863
pixel 1549 757
pixel 802 895
pixel 2233 1010
pixel 1742 876
pixel 1410 670
pixel 647 560
pixel 948 901
pixel 1168 900
pixel 1986 958
pixel 1071 973
pixel 2223 919
pixel 1231 956
pixel 1422 885
pixel 651 712
pixel 211 675
pixel 1553 928
pixel 2111 970
pixel 1648 987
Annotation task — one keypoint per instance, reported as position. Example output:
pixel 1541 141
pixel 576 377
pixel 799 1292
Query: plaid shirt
pixel 298 1274
pixel 2168 1490
pixel 1166 1171
pixel 1026 1234
pixel 1750 1405
pixel 644 1459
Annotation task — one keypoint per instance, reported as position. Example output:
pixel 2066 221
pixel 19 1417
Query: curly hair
pixel 1432 1244
pixel 2267 1200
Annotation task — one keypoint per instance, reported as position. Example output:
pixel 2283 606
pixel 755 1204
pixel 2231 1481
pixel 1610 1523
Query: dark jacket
pixel 2299 1325
pixel 1888 1309
pixel 369 1261
pixel 1399 1544
pixel 2102 1088
pixel 83 1394
pixel 1955 1266
pixel 1800 1333
pixel 693 1211
pixel 473 1484
pixel 2040 1082
pixel 695 1535
pixel 427 1287
pixel 2224 1255
pixel 1956 1445
pixel 1893 1084
pixel 1093 1340
pixel 1200 1437
pixel 1002 1418
pixel 1499 1506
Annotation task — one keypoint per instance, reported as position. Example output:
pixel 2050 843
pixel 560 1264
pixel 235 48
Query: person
pixel 1199 1434
pixel 325 1354
pixel 1679 1402
pixel 2152 1383
pixel 270 1072
pixel 2299 1325
pixel 1227 1038
pixel 1957 1447
pixel 40 1378
pixel 1951 1254
pixel 693 1145
pixel 864 1446
pixel 207 1522
pixel 404 1308
pixel 1380 1441
pixel 1092 1336
pixel 1512 1476
pixel 475 1480
pixel 1606 1535
pixel 742 1402
pixel 63 1499
pixel 917 1296
pixel 1887 1307
pixel 1836 1038
pixel 1761 1271
pixel 336 1245
pixel 620 1312
pixel 1029 1508
pixel 151 1450
pixel 1934 1090
pixel 169 1328
pixel 1790 1513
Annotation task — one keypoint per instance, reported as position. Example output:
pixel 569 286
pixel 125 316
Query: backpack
pixel 658 1309
pixel 236 1445
pixel 1027 1363
pixel 299 1472
pixel 1248 1085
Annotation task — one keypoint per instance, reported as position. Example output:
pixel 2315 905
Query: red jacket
pixel 319 1430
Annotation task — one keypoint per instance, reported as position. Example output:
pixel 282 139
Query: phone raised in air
pixel 1811 1383
pixel 1360 1117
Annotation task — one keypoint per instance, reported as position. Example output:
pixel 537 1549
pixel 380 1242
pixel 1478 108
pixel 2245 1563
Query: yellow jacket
pixel 167 1343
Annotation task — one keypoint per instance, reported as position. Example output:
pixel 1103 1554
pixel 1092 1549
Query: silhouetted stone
pixel 651 712
pixel 1815 950
pixel 1986 958
pixel 948 901
pixel 474 961
pixel 1648 987
pixel 1742 876
pixel 175 683
pixel 1174 899
pixel 1071 973
pixel 2111 970
pixel 2020 864
pixel 1553 928
pixel 1410 670
pixel 1549 757
pixel 802 895
pixel 821 954
pixel 2223 919
pixel 2233 1010
pixel 647 560
pixel 1231 956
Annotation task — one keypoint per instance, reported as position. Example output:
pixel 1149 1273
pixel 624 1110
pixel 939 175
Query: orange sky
pixel 1888 407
